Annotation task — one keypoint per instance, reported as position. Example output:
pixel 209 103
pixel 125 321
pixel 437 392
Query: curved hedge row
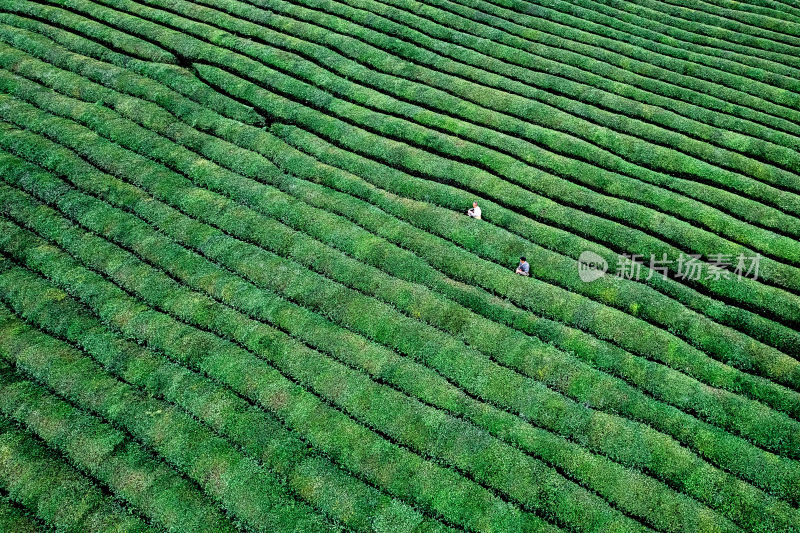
pixel 686 33
pixel 789 182
pixel 319 306
pixel 408 131
pixel 747 43
pixel 778 6
pixel 426 106
pixel 758 328
pixel 352 271
pixel 353 40
pixel 165 498
pixel 704 25
pixel 752 15
pixel 766 8
pixel 89 178
pixel 244 160
pixel 171 76
pixel 428 432
pixel 417 162
pixel 523 197
pixel 56 493
pixel 246 297
pixel 168 150
pixel 227 130
pixel 258 267
pixel 729 21
pixel 760 172
pixel 80 65
pixel 540 68
pixel 246 490
pixel 669 510
pixel 127 43
pixel 526 109
pixel 714 69
pixel 749 210
pixel 329 344
pixel 354 503
pixel 580 68
pixel 499 165
pixel 418 204
pixel 767 99
pixel 775 72
pixel 772 433
pixel 335 432
pixel 17 519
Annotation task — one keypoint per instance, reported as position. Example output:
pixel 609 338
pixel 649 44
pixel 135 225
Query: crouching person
pixel 475 211
pixel 523 269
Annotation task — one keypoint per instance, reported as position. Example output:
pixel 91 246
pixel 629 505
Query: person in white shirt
pixel 475 212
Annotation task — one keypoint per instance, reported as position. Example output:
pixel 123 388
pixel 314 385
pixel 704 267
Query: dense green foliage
pixel 238 291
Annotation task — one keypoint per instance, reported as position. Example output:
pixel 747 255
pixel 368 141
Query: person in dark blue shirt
pixel 523 269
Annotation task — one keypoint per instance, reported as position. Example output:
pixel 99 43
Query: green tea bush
pixel 233 249
pixel 155 490
pixel 307 367
pixel 506 131
pixel 333 265
pixel 620 24
pixel 310 169
pixel 249 300
pixel 314 331
pixel 16 518
pixel 738 286
pixel 56 493
pixel 355 504
pixel 399 470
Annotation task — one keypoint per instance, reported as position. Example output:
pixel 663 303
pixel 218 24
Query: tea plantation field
pixel 240 292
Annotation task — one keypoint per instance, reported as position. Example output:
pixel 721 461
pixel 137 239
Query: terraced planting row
pixel 414 134
pixel 238 291
pixel 157 247
pixel 349 277
pixel 376 123
pixel 634 23
pixel 525 151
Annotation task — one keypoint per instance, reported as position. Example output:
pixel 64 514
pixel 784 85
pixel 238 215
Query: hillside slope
pixel 239 290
